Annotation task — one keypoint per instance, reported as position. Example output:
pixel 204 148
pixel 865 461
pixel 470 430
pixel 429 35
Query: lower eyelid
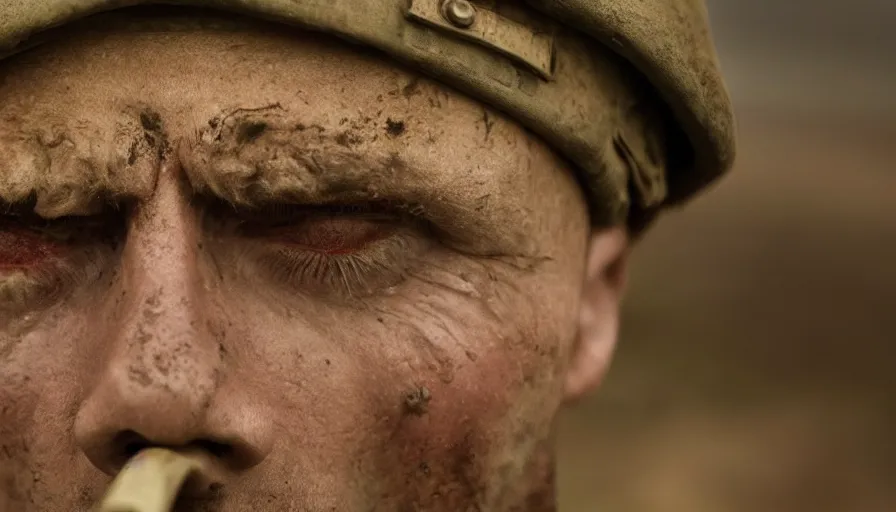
pixel 19 289
pixel 44 283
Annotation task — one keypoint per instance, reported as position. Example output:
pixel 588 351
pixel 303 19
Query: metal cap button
pixel 461 13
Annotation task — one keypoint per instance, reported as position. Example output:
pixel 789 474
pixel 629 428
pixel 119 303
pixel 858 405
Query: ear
pixel 605 281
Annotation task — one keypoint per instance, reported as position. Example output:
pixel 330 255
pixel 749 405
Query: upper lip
pixel 201 492
pixel 196 504
pixel 204 484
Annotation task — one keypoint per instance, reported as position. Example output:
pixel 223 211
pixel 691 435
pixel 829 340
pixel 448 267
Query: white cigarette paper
pixel 149 482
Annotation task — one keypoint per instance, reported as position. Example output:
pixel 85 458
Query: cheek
pixel 433 450
pixel 480 393
pixel 16 407
pixel 36 400
pixel 430 399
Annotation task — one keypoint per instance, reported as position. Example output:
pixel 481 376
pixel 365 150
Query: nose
pixel 161 377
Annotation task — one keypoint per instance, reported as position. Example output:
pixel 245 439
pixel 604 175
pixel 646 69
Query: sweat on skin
pixel 350 287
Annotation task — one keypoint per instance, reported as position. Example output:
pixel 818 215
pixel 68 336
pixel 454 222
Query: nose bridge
pixel 160 354
pixel 161 364
pixel 162 344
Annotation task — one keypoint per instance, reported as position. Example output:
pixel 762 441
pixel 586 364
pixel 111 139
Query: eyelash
pixel 371 269
pixel 76 248
pixel 377 266
pixel 374 267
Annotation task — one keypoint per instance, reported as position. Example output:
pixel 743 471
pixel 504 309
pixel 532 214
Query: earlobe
pixel 602 293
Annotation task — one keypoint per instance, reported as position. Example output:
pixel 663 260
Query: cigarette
pixel 149 482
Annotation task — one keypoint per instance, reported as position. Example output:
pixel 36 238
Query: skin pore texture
pixel 349 287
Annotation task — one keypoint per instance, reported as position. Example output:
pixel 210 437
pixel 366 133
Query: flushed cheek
pixel 453 434
pixel 425 394
pixel 443 449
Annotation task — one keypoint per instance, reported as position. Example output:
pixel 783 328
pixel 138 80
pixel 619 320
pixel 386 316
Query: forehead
pixel 82 101
pixel 202 65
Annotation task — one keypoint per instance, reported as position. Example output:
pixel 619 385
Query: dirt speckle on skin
pixel 411 89
pixel 138 375
pixel 154 131
pixel 132 153
pixel 348 139
pixel 417 401
pixel 151 121
pixel 301 127
pixel 395 128
pixel 488 122
pixel 251 130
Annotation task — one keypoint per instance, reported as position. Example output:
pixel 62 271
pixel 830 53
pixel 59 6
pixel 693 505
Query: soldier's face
pixel 351 288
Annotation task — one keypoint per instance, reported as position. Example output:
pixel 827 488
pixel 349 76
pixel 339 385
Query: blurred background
pixel 757 369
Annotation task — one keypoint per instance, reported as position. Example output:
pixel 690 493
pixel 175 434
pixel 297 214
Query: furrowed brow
pixel 259 157
pixel 249 158
pixel 297 164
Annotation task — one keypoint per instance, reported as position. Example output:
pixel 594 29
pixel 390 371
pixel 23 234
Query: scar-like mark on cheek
pixel 416 401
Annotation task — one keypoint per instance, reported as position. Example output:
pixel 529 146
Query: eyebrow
pixel 75 168
pixel 249 158
pixel 246 157
pixel 68 168
pixel 253 160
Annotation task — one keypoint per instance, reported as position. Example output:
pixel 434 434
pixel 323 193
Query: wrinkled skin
pixel 407 350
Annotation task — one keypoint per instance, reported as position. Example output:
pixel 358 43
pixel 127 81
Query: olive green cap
pixel 580 73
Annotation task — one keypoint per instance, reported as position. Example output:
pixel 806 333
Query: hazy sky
pixel 809 54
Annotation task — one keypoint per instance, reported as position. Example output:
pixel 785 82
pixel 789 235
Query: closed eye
pixel 344 249
pixel 40 258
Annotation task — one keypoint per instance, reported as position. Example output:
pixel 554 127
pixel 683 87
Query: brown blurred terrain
pixel 757 370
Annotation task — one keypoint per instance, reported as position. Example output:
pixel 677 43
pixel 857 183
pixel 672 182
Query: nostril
pixel 127 444
pixel 132 449
pixel 219 450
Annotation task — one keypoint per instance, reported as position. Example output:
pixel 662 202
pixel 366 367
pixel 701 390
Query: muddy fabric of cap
pixel 591 77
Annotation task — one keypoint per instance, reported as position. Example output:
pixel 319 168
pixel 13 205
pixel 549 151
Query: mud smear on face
pixel 395 128
pixel 78 166
pixel 416 401
pixel 252 156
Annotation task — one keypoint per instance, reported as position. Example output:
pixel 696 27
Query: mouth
pixel 153 481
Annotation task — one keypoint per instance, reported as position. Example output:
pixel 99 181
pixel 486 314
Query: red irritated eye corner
pixel 21 248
